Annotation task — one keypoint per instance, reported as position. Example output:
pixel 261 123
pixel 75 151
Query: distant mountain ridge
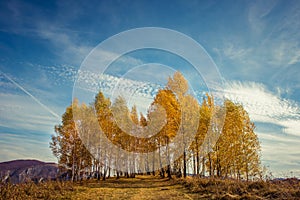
pixel 20 171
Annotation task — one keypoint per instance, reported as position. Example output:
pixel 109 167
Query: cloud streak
pixel 19 111
pixel 33 97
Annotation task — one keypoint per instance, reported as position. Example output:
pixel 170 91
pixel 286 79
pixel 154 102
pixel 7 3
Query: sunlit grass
pixel 48 190
pixel 150 187
pixel 210 188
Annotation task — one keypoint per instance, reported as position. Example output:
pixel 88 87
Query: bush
pixel 30 190
pixel 233 189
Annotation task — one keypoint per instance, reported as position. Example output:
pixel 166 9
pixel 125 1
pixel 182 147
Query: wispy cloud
pixel 257 12
pixel 234 52
pixel 138 92
pixel 269 44
pixel 29 94
pixel 281 153
pixel 16 146
pixel 264 105
pixel 20 111
pixel 277 120
pixel 21 107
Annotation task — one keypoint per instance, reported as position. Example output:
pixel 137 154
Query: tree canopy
pixel 178 134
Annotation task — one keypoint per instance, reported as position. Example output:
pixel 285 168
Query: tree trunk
pixel 184 164
pixel 153 164
pixel 162 172
pixel 194 164
pixel 198 162
pixel 104 174
pixel 210 164
pixel 169 171
pixel 203 166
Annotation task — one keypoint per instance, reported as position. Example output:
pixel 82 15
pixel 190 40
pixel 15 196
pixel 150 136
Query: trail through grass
pixel 141 187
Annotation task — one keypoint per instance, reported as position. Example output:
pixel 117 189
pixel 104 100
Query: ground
pixel 150 187
pixel 141 187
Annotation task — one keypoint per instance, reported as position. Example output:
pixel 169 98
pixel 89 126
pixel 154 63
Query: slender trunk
pixel 98 164
pixel 194 164
pixel 108 176
pixel 98 172
pixel 169 161
pixel 247 172
pixel 219 172
pixel 73 165
pixel 169 171
pixel 203 166
pixel 198 161
pixel 162 171
pixel 210 164
pixel 79 170
pixel 184 164
pixel 133 168
pixel 104 174
pixel 147 169
pixel 153 164
pixel 105 166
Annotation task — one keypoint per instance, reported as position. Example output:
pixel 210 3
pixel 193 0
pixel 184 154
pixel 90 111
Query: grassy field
pixel 141 187
pixel 149 187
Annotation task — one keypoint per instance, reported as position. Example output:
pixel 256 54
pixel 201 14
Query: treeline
pixel 177 136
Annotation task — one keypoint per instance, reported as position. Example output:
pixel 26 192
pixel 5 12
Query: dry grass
pixel 149 187
pixel 48 190
pixel 141 187
pixel 233 189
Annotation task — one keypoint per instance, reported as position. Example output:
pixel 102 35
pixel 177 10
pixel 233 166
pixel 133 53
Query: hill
pixel 20 171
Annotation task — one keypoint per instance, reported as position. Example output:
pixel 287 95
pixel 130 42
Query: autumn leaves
pixel 177 134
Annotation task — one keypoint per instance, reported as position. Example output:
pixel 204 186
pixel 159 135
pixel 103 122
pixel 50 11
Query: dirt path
pixel 141 187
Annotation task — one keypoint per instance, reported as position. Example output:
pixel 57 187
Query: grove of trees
pixel 178 135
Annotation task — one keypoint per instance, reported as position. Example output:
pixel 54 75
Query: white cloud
pixel 284 53
pixel 236 53
pixel 295 58
pixel 135 92
pixel 265 106
pixel 281 153
pixel 70 49
pixel 278 124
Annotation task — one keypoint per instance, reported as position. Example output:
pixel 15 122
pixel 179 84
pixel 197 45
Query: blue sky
pixel 255 45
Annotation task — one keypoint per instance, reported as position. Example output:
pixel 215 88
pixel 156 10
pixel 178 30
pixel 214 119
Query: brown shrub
pixel 234 189
pixel 30 190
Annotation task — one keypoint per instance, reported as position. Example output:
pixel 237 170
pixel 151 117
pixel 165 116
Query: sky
pixel 255 46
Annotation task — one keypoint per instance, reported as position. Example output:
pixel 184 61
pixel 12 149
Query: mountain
pixel 20 171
